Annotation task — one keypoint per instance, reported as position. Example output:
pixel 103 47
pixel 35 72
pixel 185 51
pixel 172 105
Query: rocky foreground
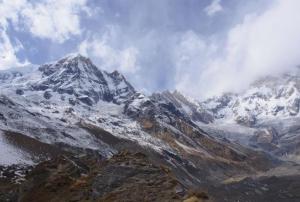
pixel 130 177
pixel 125 177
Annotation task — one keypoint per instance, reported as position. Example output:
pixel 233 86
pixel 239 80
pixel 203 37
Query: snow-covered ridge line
pixel 268 98
pixel 73 75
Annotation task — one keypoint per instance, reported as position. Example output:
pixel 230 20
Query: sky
pixel 200 47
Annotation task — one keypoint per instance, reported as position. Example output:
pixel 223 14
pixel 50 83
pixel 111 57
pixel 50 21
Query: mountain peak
pixel 71 68
pixel 74 76
pixel 76 58
pixel 73 56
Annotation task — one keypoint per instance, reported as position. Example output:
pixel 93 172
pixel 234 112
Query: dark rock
pixel 47 95
pixel 72 101
pixel 86 100
pixel 68 90
pixel 2 117
pixel 40 87
pixel 19 92
pixel 277 109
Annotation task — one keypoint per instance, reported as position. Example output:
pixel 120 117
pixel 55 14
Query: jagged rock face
pixel 119 86
pixel 188 107
pixel 193 150
pixel 75 76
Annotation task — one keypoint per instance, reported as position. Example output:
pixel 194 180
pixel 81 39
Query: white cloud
pixel 8 52
pixel 9 12
pixel 108 57
pixel 190 53
pixel 53 19
pixel 213 8
pixel 261 45
pixel 128 60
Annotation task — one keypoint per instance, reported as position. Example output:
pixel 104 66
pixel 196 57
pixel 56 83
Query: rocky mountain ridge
pixel 71 107
pixel 76 76
pixel 264 116
pixel 267 98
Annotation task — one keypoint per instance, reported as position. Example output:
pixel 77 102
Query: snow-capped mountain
pixel 267 98
pixel 266 115
pixel 73 106
pixel 75 76
pixel 52 102
pixel 71 109
pixel 74 90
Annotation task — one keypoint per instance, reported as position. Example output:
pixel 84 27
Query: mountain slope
pixel 266 115
pixel 55 102
pixel 190 108
pixel 74 108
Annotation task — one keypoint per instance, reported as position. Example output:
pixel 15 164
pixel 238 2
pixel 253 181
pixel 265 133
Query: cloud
pixel 110 58
pixel 49 19
pixel 262 44
pixel 9 12
pixel 128 60
pixel 213 8
pixel 8 52
pixel 55 20
pixel 190 53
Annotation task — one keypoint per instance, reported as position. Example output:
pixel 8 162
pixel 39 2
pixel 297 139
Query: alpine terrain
pixel 72 132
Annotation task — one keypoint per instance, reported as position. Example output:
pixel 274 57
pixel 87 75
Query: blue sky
pixel 200 47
